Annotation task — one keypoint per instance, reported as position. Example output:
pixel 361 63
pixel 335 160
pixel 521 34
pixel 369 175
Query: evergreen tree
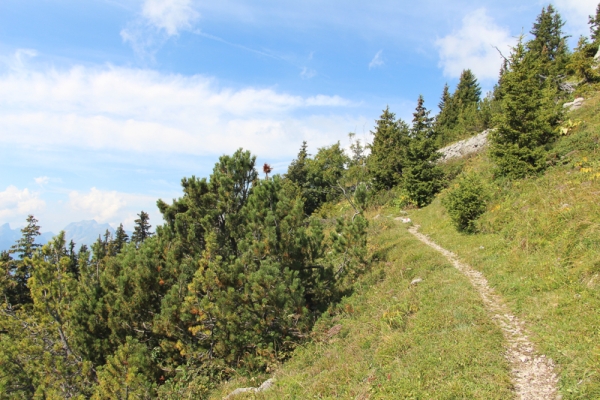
pixel 386 161
pixel 594 22
pixel 445 98
pixel 423 178
pixel 297 170
pixel 548 47
pixel 120 240
pixel 526 120
pixel 468 91
pixel 460 114
pixel 142 228
pixel 21 269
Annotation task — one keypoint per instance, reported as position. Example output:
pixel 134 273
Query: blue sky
pixel 105 105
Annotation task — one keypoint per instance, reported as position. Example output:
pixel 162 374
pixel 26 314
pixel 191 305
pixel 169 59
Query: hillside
pixel 416 328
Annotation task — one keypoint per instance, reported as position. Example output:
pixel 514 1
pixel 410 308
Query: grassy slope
pixel 541 250
pixel 431 340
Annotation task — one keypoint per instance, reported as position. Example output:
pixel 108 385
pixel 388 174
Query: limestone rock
pixel 460 149
pixel 575 104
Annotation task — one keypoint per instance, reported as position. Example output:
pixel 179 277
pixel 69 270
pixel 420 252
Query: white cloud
pixel 473 47
pixel 158 21
pixel 42 180
pixel 106 206
pixel 172 16
pixel 576 13
pixel 145 111
pixel 377 61
pixel 16 204
pixel 101 205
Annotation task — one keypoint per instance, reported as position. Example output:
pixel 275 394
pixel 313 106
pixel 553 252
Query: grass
pixel 539 246
pixel 397 340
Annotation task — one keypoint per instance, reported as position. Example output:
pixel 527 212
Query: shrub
pixel 465 202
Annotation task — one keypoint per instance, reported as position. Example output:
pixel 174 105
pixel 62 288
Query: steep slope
pixel 539 248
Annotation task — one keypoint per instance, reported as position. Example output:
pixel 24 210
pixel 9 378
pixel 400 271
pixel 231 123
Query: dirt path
pixel 533 374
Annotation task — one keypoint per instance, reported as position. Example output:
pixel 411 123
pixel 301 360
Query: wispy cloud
pixel 307 73
pixel 144 111
pixel 377 61
pixel 42 180
pixel 157 22
pixel 473 46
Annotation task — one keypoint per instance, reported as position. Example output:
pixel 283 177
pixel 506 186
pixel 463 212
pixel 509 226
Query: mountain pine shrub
pixel 465 202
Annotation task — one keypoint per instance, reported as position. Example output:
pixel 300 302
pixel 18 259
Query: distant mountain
pixel 9 237
pixel 85 232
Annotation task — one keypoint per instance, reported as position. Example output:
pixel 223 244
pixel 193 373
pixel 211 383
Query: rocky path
pixel 533 374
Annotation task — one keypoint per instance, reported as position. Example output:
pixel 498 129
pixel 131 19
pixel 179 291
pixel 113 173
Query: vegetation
pixel 246 272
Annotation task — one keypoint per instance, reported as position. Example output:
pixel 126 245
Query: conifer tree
pixel 21 269
pixel 142 228
pixel 422 178
pixel 297 170
pixel 386 160
pixel 548 47
pixel 526 119
pixel 459 112
pixel 594 22
pixel 468 91
pixel 120 240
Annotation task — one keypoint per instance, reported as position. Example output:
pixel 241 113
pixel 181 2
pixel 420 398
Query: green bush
pixel 465 202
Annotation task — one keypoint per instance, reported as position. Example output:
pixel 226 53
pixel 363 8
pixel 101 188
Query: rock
pixel 377 216
pixel 404 220
pixel 464 147
pixel 575 104
pixel 334 330
pixel 416 281
pixel 265 386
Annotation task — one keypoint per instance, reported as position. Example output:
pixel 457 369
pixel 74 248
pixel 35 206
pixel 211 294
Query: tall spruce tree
pixel 468 91
pixel 120 240
pixel 548 47
pixel 525 123
pixel 386 161
pixel 594 22
pixel 21 269
pixel 459 114
pixel 141 231
pixel 422 178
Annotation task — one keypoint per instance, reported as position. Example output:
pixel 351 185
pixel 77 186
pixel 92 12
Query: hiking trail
pixel 533 374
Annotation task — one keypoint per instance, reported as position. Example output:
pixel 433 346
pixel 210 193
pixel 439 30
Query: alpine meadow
pixel 451 255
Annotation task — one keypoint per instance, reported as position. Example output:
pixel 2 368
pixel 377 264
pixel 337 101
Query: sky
pixel 106 105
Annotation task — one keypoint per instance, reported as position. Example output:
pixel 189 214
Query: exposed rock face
pixel 460 149
pixel 575 104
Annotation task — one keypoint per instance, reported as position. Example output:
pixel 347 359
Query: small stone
pixel 334 330
pixel 416 281
pixel 481 248
pixel 377 216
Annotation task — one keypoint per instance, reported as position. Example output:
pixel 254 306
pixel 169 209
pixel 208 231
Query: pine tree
pixel 120 240
pixel 594 22
pixel 297 170
pixel 459 112
pixel 142 228
pixel 445 98
pixel 423 177
pixel 386 161
pixel 21 269
pixel 468 91
pixel 526 119
pixel 548 46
